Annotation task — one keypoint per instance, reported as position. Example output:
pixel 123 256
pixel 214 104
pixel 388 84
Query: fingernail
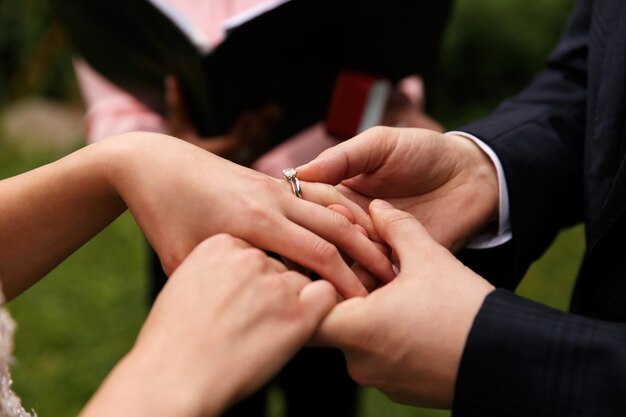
pixel 380 204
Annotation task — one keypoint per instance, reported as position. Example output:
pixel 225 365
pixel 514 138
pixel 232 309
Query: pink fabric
pixel 209 15
pixel 296 151
pixel 111 110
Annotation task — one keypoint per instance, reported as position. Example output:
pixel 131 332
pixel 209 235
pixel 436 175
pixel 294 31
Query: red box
pixel 357 103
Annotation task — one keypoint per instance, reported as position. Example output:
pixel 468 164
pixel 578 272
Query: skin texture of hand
pixel 407 337
pixel 227 320
pixel 179 195
pixel 245 141
pixel 445 181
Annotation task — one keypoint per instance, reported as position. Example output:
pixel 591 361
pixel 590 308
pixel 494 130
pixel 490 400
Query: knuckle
pixel 295 277
pixel 269 186
pixel 359 373
pixel 258 214
pixel 401 220
pixel 217 241
pixel 254 258
pixel 341 223
pixel 273 289
pixel 379 131
pixel 324 252
pixel 328 192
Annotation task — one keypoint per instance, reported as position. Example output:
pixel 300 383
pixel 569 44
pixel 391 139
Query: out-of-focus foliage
pixel 490 51
pixel 34 55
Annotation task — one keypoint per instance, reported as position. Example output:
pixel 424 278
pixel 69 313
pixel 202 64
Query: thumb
pixel 317 300
pixel 343 326
pixel 362 154
pixel 402 232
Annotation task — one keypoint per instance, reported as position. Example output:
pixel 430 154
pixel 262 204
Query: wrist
pixel 110 161
pixel 129 162
pixel 142 388
pixel 479 171
pixel 194 385
pixel 163 389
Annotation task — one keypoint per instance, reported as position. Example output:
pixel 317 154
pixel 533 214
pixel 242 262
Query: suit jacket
pixel 562 144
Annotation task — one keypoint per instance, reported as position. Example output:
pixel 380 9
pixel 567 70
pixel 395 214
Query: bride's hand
pixel 227 320
pixel 181 195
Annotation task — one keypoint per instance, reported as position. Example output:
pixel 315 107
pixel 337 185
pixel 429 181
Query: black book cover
pixel 289 55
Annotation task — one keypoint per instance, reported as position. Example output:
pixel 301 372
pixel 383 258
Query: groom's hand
pixel 407 337
pixel 445 181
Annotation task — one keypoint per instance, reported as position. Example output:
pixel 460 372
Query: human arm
pixel 440 336
pixel 226 321
pixel 406 338
pixel 246 139
pixel 179 195
pixel 524 358
pixel 445 181
pixel 112 111
pixel 536 135
pixel 48 213
pixel 405 107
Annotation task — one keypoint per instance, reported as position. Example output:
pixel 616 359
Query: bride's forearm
pixel 48 213
pixel 134 389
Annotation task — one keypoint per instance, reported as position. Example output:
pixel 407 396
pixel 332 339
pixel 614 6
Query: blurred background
pixel 75 324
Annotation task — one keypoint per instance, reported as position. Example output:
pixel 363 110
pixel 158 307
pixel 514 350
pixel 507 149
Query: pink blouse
pixel 111 110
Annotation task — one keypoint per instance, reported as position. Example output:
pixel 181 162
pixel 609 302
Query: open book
pixel 288 53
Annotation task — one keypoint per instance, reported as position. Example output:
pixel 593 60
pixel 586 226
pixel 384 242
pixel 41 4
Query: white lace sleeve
pixel 10 404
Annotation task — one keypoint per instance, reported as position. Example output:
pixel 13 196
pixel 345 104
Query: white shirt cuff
pixel 490 239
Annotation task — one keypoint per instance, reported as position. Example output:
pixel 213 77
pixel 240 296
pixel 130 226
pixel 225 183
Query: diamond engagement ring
pixel 291 175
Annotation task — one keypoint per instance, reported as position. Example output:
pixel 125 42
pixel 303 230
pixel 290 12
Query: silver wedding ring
pixel 291 175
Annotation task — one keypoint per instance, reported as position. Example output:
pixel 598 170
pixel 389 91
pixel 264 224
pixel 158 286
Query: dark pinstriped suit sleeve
pixel 538 136
pixel 525 359
pixel 522 358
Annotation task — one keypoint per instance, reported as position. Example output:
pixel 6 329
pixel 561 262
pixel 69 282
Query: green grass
pixel 77 322
pixel 551 279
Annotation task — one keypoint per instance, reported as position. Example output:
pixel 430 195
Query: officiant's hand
pixel 245 141
pixel 226 321
pixel 406 338
pixel 405 106
pixel 180 195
